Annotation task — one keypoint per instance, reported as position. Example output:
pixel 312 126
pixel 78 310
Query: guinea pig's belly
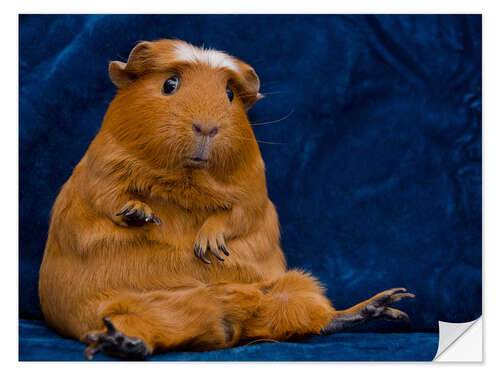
pixel 180 264
pixel 161 263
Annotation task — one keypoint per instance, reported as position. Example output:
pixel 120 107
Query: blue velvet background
pixel 377 172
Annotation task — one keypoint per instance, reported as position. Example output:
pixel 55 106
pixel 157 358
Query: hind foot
pixel 377 307
pixel 115 343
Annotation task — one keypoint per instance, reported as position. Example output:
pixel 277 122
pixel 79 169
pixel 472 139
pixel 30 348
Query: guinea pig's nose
pixel 210 130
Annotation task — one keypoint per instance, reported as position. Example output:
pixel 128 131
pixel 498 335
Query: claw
pixel 222 246
pixel 223 249
pixel 122 211
pixel 216 253
pixel 132 212
pixel 198 251
pixel 202 257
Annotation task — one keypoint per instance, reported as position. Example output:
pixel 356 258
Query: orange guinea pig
pixel 164 236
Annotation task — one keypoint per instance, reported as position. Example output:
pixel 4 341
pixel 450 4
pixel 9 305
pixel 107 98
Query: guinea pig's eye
pixel 171 85
pixel 230 94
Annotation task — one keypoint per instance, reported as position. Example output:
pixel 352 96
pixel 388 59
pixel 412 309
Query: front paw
pixel 210 242
pixel 136 213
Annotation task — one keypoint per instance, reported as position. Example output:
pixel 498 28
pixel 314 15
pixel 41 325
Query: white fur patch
pixel 215 59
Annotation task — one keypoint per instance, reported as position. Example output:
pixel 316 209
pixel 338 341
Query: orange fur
pixel 146 278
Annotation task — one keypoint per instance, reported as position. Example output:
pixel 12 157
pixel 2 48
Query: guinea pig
pixel 164 237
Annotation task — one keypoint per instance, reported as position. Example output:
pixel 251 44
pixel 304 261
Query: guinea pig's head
pixel 180 106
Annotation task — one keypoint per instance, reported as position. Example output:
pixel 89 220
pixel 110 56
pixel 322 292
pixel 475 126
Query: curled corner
pixel 449 333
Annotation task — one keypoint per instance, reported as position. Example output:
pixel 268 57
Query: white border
pixel 9 160
pixel 256 6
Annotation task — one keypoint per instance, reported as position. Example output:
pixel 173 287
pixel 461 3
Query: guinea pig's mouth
pixel 196 162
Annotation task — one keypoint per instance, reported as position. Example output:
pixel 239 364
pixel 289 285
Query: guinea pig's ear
pixel 249 84
pixel 122 74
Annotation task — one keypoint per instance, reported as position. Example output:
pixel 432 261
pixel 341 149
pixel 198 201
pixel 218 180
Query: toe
pixel 384 298
pixel 123 210
pixel 91 350
pixel 214 248
pixel 200 249
pixel 221 244
pixel 399 296
pixel 216 254
pixel 200 253
pixel 135 348
pixel 92 337
pixel 109 325
pixel 203 258
pixel 157 220
pixel 119 337
pixel 392 291
pixel 149 216
pixel 147 211
pixel 131 213
pixel 393 314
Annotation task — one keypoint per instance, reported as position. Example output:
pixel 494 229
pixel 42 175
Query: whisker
pixel 274 121
pixel 259 141
pixel 270 143
pixel 264 93
pixel 274 92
